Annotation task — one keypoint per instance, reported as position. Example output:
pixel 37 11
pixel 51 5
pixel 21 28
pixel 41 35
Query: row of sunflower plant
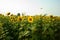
pixel 39 27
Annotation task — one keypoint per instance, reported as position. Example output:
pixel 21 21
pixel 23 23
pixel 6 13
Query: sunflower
pixel 11 15
pixel 12 18
pixel 19 18
pixel 30 19
pixel 8 13
pixel 51 16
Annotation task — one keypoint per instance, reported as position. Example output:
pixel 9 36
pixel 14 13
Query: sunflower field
pixel 38 27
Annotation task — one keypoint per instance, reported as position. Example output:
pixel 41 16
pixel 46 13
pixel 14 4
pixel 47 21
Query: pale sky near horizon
pixel 30 7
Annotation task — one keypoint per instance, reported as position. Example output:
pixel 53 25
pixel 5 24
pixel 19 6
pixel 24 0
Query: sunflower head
pixel 30 19
pixel 12 18
pixel 19 18
pixel 11 15
pixel 8 13
pixel 51 16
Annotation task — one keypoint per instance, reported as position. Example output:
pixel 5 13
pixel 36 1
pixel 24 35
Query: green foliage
pixel 43 28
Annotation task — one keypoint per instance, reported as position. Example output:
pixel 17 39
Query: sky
pixel 30 7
